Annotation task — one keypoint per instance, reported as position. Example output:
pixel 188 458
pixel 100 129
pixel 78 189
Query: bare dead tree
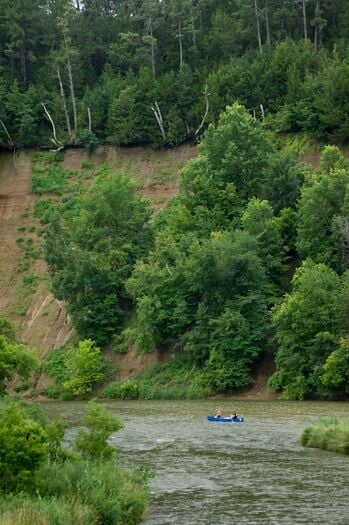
pixel 207 107
pixel 158 116
pixel 55 140
pixel 317 25
pixel 64 103
pixel 152 46
pixel 267 25
pixel 10 143
pixel 180 36
pixel 9 138
pixel 262 111
pixel 89 120
pixel 304 11
pixel 71 85
pixel 259 38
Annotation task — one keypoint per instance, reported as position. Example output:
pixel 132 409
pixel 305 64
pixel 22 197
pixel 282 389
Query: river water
pixel 210 473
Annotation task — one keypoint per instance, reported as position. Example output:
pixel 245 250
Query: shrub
pixel 92 443
pixel 84 365
pixel 117 496
pixel 55 365
pixel 52 180
pixel 23 445
pixel 89 140
pixel 328 434
pixel 111 390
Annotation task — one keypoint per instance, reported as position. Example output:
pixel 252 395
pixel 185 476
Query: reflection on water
pixel 210 473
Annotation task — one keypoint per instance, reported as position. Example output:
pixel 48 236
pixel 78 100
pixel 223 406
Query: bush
pixel 89 140
pixel 328 434
pixel 51 391
pixel 128 389
pixel 84 365
pixel 24 446
pixel 115 495
pixel 92 443
pixel 52 180
pixel 55 366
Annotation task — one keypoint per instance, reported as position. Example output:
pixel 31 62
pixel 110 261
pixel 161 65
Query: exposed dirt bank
pixel 42 321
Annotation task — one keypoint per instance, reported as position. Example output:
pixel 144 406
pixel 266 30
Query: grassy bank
pixel 328 434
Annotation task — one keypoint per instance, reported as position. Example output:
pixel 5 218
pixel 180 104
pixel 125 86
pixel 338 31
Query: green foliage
pixel 327 434
pixel 52 179
pixel 116 496
pixel 24 446
pixel 92 443
pixel 216 265
pixel 42 481
pixel 91 249
pixel 89 140
pixel 177 378
pixel 44 210
pixel 128 389
pixel 336 368
pixel 55 366
pixel 236 151
pixel 7 329
pixel 84 367
pixel 322 202
pixel 24 510
pixel 306 324
pixel 15 358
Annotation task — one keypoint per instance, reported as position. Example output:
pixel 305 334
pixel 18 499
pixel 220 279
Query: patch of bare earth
pixel 41 321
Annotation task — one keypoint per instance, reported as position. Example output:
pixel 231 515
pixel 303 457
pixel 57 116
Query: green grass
pixel 174 379
pixel 328 434
pixel 162 177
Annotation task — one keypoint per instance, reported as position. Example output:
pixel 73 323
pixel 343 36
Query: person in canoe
pixel 218 413
pixel 234 415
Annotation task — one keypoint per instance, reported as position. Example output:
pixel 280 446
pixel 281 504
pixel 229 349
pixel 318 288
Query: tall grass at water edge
pixel 328 434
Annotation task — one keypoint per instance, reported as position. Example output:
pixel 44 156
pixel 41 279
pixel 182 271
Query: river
pixel 229 474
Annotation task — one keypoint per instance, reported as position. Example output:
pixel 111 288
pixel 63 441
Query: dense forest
pixel 151 72
pixel 252 255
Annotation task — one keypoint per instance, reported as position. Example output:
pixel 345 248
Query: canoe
pixel 225 419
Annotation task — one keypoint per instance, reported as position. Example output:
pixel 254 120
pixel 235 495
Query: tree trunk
pixel 267 25
pixel 64 103
pixel 158 116
pixel 11 144
pixel 89 120
pixel 72 91
pixel 23 58
pixel 55 140
pixel 317 28
pixel 207 105
pixel 304 10
pixel 152 49
pixel 73 99
pixel 180 43
pixel 258 28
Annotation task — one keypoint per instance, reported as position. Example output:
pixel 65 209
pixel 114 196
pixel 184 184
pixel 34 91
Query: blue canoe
pixel 225 419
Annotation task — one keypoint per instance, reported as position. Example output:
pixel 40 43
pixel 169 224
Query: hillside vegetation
pixel 242 256
pixel 207 277
pixel 158 73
